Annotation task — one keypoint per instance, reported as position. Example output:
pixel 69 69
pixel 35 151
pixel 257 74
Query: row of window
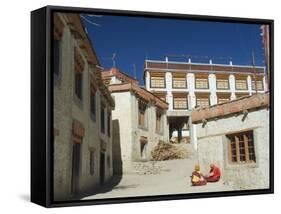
pixel 203 83
pixel 78 84
pixel 202 101
pixel 142 117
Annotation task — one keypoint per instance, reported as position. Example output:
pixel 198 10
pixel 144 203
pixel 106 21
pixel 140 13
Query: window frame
pixel 233 139
pixel 207 98
pixel 78 94
pixel 173 84
pixel 102 118
pixel 220 79
pixel 142 108
pixel 223 96
pixel 93 104
pixel 180 98
pixel 159 121
pixel 164 79
pixel 238 89
pixel 202 78
pixel 253 85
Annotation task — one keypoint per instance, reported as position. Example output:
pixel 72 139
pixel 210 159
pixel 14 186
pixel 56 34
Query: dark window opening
pixel 78 85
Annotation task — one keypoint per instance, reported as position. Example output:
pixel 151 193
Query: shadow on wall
pixel 117 165
pixel 116 149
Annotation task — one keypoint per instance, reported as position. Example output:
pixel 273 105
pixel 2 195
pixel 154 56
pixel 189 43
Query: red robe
pixel 216 175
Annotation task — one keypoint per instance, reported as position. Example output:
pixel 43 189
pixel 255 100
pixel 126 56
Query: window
pixel 222 84
pixel 92 162
pixel 79 67
pixel 141 114
pixel 179 82
pixel 56 55
pixel 259 84
pixel 222 98
pixel 238 95
pixel 201 83
pixel 102 119
pixel 78 85
pixel 157 82
pixel 202 100
pixel 241 147
pixel 241 84
pixel 143 144
pixel 158 120
pixel 93 102
pixel 108 124
pixel 180 101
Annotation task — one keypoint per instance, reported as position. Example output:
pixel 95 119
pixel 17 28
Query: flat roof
pixel 245 103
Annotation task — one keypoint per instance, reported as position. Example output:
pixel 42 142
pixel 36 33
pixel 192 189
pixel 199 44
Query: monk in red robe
pixel 197 179
pixel 214 174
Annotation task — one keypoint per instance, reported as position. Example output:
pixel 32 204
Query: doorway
pixel 76 153
pixel 102 169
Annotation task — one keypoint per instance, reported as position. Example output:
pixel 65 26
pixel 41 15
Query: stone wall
pixel 67 108
pixel 212 148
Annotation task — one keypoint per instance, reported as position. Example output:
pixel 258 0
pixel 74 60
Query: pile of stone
pixel 147 168
pixel 166 151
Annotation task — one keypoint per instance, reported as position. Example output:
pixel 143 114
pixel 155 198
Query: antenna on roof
pixel 113 60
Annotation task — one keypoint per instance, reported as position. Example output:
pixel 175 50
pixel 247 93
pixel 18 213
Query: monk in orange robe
pixel 197 179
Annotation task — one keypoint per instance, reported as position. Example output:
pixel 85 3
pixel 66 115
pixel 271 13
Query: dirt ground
pixel 159 178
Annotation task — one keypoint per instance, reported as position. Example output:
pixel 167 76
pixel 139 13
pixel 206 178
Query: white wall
pixel 212 148
pixel 122 120
pixel 125 118
pixel 15 184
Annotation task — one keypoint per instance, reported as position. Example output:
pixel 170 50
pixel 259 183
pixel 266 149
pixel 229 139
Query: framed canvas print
pixel 141 106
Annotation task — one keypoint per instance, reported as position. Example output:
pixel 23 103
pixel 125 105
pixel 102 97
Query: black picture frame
pixel 42 106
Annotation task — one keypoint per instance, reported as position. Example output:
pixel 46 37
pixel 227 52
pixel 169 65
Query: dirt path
pixel 158 178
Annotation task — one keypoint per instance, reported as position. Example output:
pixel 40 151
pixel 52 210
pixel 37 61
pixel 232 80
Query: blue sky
pixel 135 39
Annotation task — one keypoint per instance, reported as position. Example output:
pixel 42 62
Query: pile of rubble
pixel 166 151
pixel 147 168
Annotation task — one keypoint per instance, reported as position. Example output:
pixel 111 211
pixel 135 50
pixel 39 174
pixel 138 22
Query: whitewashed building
pixel 82 113
pixel 188 85
pixel 139 120
pixel 235 136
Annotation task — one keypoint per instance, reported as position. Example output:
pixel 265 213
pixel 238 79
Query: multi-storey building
pixel 139 120
pixel 82 112
pixel 188 85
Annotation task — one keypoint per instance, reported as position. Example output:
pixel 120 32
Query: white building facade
pixel 187 85
pixel 139 121
pixel 236 136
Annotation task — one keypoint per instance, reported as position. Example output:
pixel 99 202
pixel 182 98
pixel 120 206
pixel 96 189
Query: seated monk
pixel 214 174
pixel 197 179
